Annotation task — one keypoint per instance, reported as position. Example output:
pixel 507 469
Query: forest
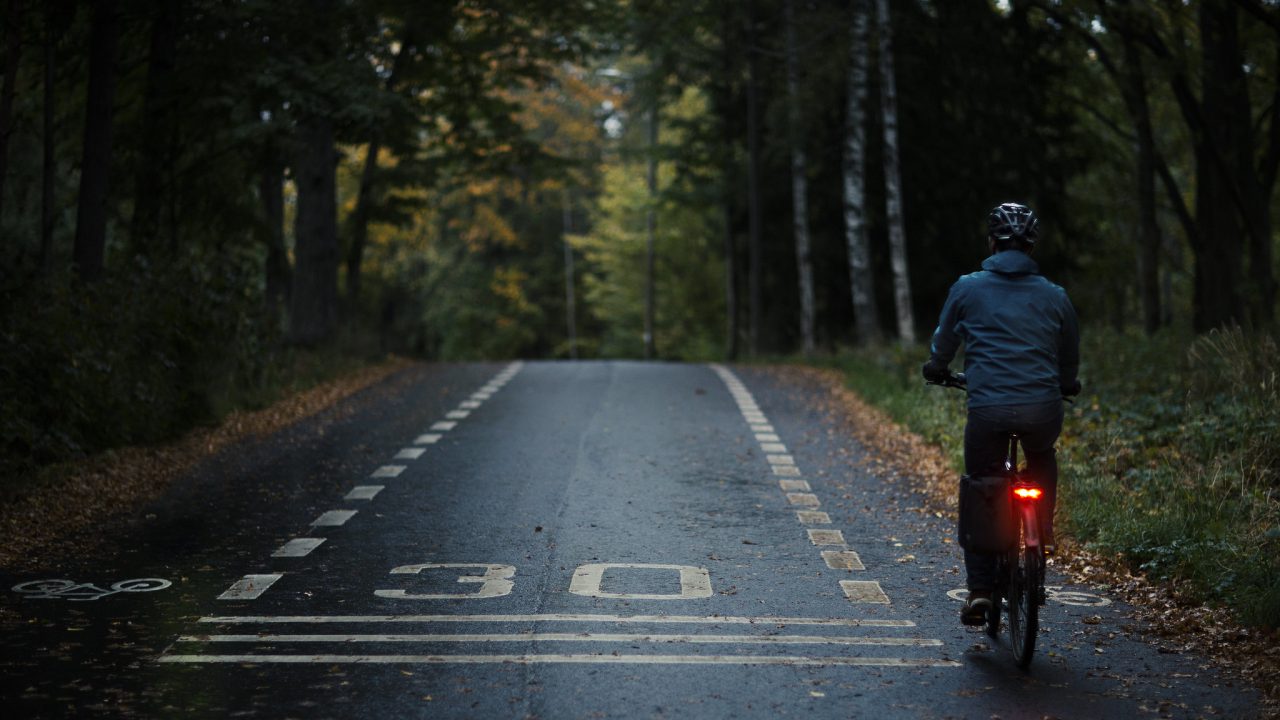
pixel 203 200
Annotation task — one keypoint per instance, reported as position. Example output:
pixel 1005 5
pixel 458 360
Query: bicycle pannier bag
pixel 986 514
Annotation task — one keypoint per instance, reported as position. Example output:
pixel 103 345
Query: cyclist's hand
pixel 1071 389
pixel 934 372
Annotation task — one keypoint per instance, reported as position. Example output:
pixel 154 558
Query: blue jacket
pixel 1021 339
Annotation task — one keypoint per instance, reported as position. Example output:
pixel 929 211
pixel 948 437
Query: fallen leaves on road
pixel 54 520
pixel 1168 619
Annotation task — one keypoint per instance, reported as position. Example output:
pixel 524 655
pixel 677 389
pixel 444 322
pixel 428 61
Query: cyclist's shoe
pixel 975 608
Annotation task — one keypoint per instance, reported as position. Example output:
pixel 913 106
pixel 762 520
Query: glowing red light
pixel 1028 493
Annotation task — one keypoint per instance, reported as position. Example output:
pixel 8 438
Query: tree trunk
pixel 799 188
pixel 91 214
pixel 570 304
pixel 48 143
pixel 12 56
pixel 650 230
pixel 1218 247
pixel 855 200
pixel 156 152
pixel 277 269
pixel 1148 226
pixel 755 248
pixel 726 195
pixel 314 300
pixel 892 178
pixel 360 225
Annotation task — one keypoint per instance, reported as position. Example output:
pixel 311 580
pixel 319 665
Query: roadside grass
pixel 1171 457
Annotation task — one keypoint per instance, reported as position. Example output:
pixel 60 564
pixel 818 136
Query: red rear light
pixel 1028 493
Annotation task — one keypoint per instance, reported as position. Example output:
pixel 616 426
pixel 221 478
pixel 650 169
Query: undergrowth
pixel 1171 457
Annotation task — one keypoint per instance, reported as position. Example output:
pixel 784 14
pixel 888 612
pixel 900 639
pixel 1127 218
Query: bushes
pixel 1171 457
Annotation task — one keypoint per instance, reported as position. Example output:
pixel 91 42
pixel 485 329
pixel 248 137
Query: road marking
pixel 410 453
pixel 762 427
pixel 333 518
pixel 780 459
pixel 842 560
pixel 298 547
pixel 363 492
pixel 766 437
pixel 250 587
pixel 388 471
pixel 864 591
pixel 695 582
pixel 755 417
pixel 495 582
pixel 457 414
pixel 558 617
pixel 813 517
pixel 428 439
pixel 558 659
pixel 786 470
pixel 808 499
pixel 571 637
pixel 794 485
pixel 444 425
pixel 482 395
pixel 773 447
pixel 826 537
pixel 469 404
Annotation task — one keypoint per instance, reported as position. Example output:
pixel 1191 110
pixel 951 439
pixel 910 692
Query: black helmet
pixel 1013 221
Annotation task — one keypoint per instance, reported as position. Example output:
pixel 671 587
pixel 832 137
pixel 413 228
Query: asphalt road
pixel 556 540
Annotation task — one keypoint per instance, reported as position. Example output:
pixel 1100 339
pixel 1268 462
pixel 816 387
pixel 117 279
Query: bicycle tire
pixel 993 613
pixel 1024 595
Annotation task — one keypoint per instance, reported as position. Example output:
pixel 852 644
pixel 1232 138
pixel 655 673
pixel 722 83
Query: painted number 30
pixel 496 581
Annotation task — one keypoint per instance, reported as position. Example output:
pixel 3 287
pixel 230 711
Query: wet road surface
pixel 556 540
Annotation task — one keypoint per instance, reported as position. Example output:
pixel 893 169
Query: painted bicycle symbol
pixel 1054 593
pixel 68 590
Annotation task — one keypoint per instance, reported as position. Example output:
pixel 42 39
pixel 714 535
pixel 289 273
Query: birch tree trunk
pixel 855 200
pixel 799 187
pixel 892 178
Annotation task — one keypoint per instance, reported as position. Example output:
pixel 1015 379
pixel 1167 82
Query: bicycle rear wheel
pixel 1024 595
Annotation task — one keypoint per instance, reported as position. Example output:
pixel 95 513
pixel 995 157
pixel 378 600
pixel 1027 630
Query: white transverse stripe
pixel 826 537
pixel 457 414
pixel 842 560
pixel 444 425
pixel 428 439
pixel 575 659
pixel 813 517
pixel 786 471
pixel 363 492
pixel 864 591
pixel 249 587
pixel 410 453
pixel 554 617
pixel 388 471
pixel 298 547
pixel 570 637
pixel 333 518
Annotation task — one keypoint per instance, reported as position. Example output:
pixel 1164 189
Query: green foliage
pixel 1169 458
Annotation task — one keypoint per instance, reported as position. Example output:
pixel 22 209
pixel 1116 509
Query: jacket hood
pixel 1011 262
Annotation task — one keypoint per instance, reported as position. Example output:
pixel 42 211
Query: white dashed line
pixel 805 499
pixel 363 492
pixel 444 426
pixel 298 547
pixel 794 485
pixel 826 537
pixel 813 517
pixel 428 439
pixel 469 404
pixel 780 459
pixel 250 587
pixel 481 395
pixel 457 414
pixel 842 560
pixel 333 518
pixel 761 427
pixel 388 471
pixel 409 454
pixel 786 470
pixel 864 591
pixel 766 437
pixel 773 447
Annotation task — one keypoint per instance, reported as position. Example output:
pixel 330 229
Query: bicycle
pixel 1020 570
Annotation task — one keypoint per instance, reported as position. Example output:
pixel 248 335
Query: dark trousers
pixel 986 445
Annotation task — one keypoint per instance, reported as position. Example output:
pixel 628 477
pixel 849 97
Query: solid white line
pixel 410 453
pixel 457 414
pixel 428 439
pixel 364 492
pixel 333 518
pixel 826 537
pixel 576 659
pixel 808 499
pixel 813 517
pixel 557 617
pixel 444 425
pixel 388 471
pixel 298 547
pixel 570 637
pixel 250 587
pixel 864 591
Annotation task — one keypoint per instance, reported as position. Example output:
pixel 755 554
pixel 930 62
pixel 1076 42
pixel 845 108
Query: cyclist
pixel 1021 354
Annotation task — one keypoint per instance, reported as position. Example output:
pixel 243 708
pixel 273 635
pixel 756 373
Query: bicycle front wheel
pixel 1024 600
